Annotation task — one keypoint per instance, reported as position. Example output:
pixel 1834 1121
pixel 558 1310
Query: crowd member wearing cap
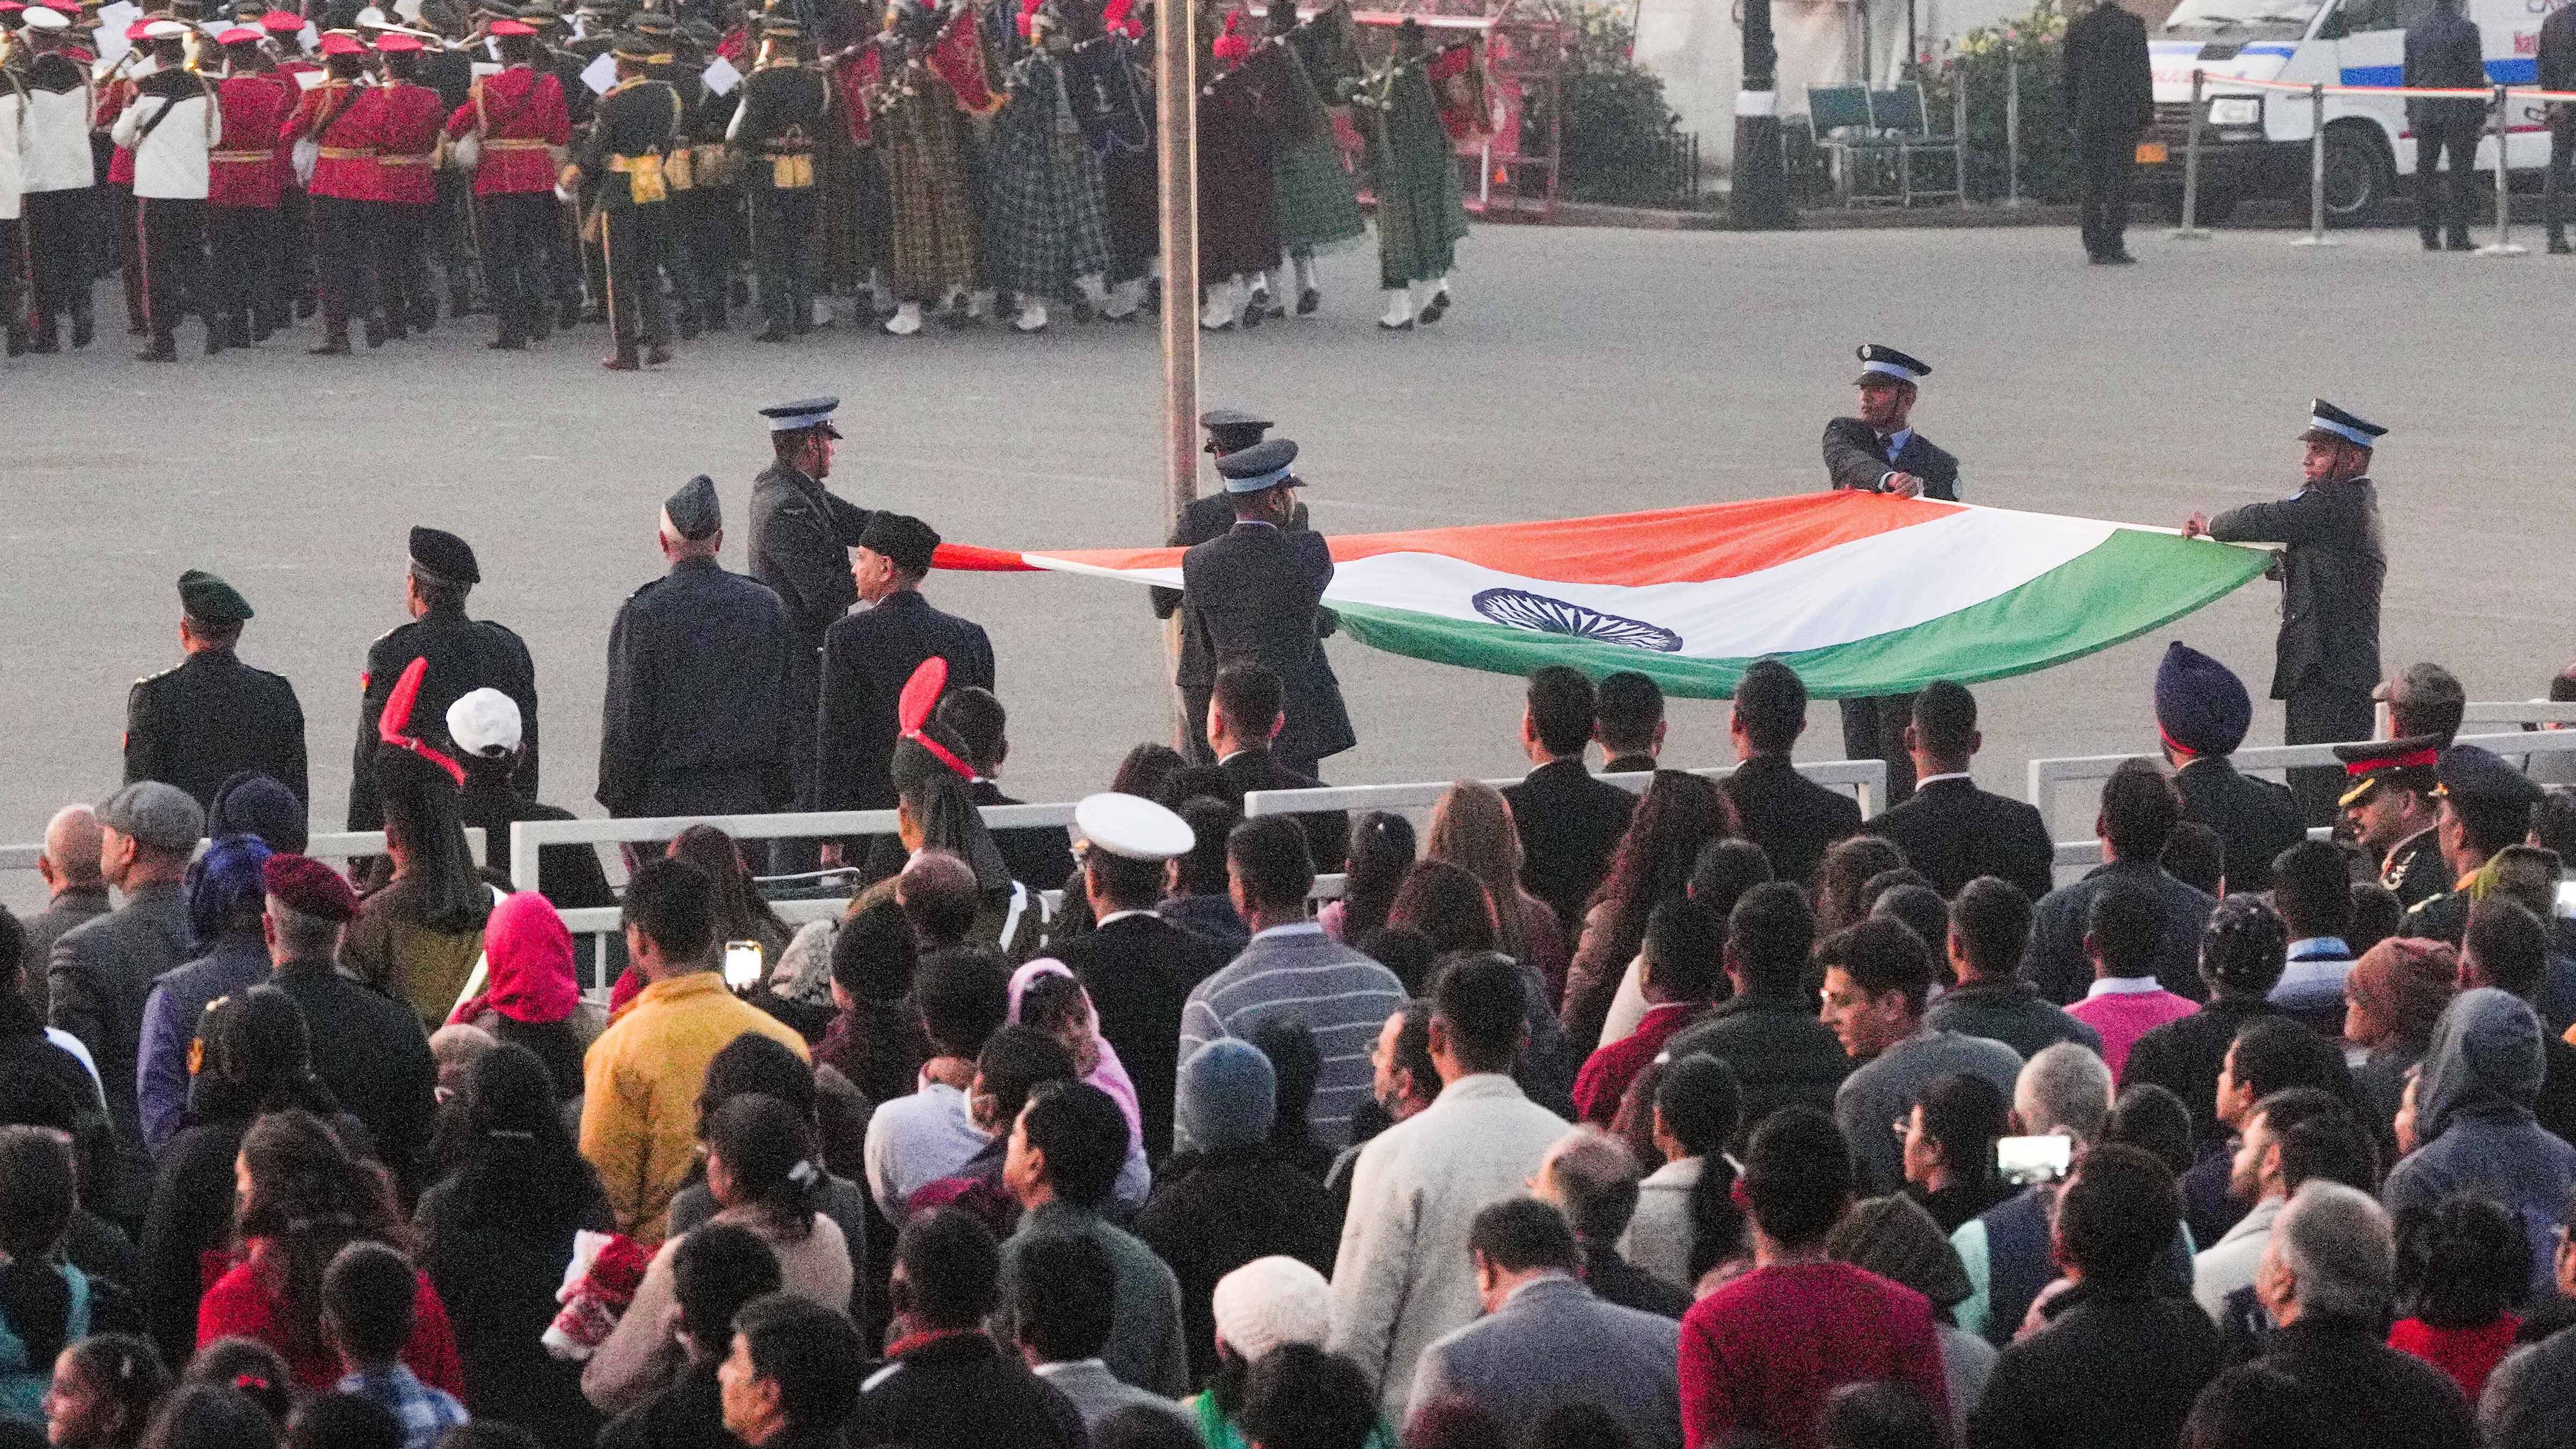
pixel 367 1049
pixel 226 893
pixel 632 127
pixel 2392 810
pixel 2202 714
pixel 408 121
pixel 1252 592
pixel 464 655
pixel 100 973
pixel 1880 452
pixel 700 663
pixel 801 537
pixel 1039 854
pixel 485 728
pixel 2327 660
pixel 171 127
pixel 779 129
pixel 515 116
pixel 2485 806
pixel 213 716
pixel 868 656
pixel 2110 96
pixel 244 271
pixel 56 177
pixel 343 121
pixel 1138 967
pixel 1949 829
pixel 1229 430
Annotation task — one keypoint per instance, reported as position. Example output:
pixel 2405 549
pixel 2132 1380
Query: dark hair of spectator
pixel 258 1058
pixel 1248 697
pixel 1945 720
pixel 767 1148
pixel 2244 948
pixel 1578 1425
pixel 716 1269
pixel 1453 1422
pixel 2333 1146
pixel 1725 870
pixel 1991 918
pixel 2273 1052
pixel 1685 949
pixel 1881 956
pixel 965 996
pixel 1627 707
pixel 734 902
pixel 752 1064
pixel 672 903
pixel 39 1192
pixel 1965 1113
pixel 1300 1397
pixel 2256 1406
pixel 1144 1426
pixel 1920 909
pixel 978 720
pixel 2139 810
pixel 2116 1216
pixel 1701 1106
pixel 126 1373
pixel 1019 1057
pixel 2312 890
pixel 1771 705
pixel 1295 1066
pixel 1062 1296
pixel 951 1268
pixel 1843 876
pixel 2376 915
pixel 1145 770
pixel 808 1351
pixel 2194 855
pixel 873 955
pixel 248 1365
pixel 517 1169
pixel 2150 1117
pixel 1562 709
pixel 1679 815
pixel 2462 1263
pixel 309 1197
pixel 342 1421
pixel 2122 926
pixel 214 1416
pixel 1404 951
pixel 1769 936
pixel 2553 820
pixel 1797 1175
pixel 1202 868
pixel 1881 1415
pixel 1381 854
pixel 1482 1005
pixel 370 1298
pixel 1270 856
pixel 2510 944
pixel 1084 1136
pixel 1521 1233
pixel 1448 905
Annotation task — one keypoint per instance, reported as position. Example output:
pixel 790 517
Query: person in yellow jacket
pixel 640 1080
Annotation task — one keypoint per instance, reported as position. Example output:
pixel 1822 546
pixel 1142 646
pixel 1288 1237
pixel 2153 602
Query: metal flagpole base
pixel 2316 241
pixel 2188 233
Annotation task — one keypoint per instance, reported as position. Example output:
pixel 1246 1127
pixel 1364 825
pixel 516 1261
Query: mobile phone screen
pixel 2026 1160
pixel 742 964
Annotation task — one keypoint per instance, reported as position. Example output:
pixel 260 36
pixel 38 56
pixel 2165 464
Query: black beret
pixel 440 553
pixel 904 539
pixel 692 510
pixel 203 596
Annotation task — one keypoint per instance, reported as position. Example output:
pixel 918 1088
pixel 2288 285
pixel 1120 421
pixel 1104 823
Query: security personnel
pixel 631 133
pixel 2202 713
pixel 1252 593
pixel 2393 811
pixel 2558 73
pixel 778 131
pixel 464 655
pixel 801 537
pixel 696 717
pixel 2110 95
pixel 2443 51
pixel 2486 806
pixel 868 656
pixel 1880 452
pixel 199 724
pixel 2328 658
pixel 517 115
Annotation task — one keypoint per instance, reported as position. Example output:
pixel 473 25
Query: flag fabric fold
pixel 1862 594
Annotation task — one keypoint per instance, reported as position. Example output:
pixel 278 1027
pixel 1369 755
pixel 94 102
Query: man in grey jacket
pixel 101 971
pixel 1546 1341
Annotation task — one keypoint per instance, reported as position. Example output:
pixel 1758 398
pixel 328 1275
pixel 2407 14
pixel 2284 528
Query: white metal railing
pixel 326 845
pixel 528 836
pixel 1866 779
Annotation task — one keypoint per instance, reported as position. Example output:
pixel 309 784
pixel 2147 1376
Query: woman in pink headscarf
pixel 530 994
pixel 1046 996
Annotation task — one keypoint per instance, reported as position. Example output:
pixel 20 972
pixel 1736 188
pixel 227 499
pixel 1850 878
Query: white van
pixel 2256 143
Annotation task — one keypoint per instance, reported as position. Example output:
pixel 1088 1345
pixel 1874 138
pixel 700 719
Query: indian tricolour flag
pixel 1862 594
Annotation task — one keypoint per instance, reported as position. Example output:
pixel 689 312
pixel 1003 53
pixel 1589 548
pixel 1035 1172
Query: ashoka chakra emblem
pixel 1537 612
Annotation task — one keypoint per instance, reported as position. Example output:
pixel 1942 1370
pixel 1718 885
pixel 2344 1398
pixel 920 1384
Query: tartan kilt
pixel 934 228
pixel 1311 197
pixel 1420 219
pixel 1049 220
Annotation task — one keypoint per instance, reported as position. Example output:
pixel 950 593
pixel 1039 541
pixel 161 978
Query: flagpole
pixel 1176 167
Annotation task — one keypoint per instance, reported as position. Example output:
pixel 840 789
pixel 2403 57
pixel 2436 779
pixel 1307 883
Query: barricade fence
pixel 324 845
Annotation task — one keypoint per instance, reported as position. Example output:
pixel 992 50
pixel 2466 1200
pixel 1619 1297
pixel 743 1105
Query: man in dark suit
pixel 1569 822
pixel 1791 817
pixel 801 537
pixel 1952 831
pixel 199 724
pixel 2558 73
pixel 1138 967
pixel 464 655
pixel 2203 711
pixel 1628 720
pixel 1879 452
pixel 2444 52
pixel 1243 719
pixel 2327 660
pixel 1040 856
pixel 2110 96
pixel 868 656
pixel 1252 593
pixel 699 661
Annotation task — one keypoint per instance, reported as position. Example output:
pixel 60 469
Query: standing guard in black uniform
pixel 1879 452
pixel 631 133
pixel 801 537
pixel 2328 657
pixel 464 655
pixel 696 715
pixel 778 130
pixel 197 725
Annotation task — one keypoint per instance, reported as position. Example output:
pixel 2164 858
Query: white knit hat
pixel 1271 1301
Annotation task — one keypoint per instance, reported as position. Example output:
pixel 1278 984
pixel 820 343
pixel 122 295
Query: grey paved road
pixel 1582 372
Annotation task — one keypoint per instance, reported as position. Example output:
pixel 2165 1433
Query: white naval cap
pixel 1132 827
pixel 40 18
pixel 165 30
pixel 485 723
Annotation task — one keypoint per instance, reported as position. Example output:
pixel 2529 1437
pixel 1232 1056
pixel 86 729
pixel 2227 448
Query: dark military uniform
pixel 2478 786
pixel 2255 819
pixel 706 213
pixel 2414 868
pixel 634 127
pixel 867 657
pixel 801 537
pixel 1252 592
pixel 1207 518
pixel 196 725
pixel 464 655
pixel 778 133
pixel 696 720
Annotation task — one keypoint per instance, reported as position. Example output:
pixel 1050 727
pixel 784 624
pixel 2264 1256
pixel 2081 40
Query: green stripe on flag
pixel 2132 582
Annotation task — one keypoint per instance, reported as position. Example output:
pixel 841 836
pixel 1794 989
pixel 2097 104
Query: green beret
pixel 209 598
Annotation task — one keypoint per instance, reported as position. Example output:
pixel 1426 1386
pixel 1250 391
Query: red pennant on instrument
pixel 912 710
pixel 391 726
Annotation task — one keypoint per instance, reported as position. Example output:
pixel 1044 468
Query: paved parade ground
pixel 1580 372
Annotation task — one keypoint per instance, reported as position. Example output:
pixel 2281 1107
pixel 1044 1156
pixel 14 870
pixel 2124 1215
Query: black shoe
pixel 1435 309
pixel 568 314
pixel 2120 259
pixel 774 332
pixel 656 355
pixel 84 328
pixel 2459 242
pixel 2432 240
pixel 159 351
pixel 740 292
pixel 46 342
pixel 17 341
pixel 460 302
pixel 508 342
pixel 1404 326
pixel 304 309
pixel 716 322
pixel 1308 300
pixel 375 332
pixel 215 340
pixel 2558 246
